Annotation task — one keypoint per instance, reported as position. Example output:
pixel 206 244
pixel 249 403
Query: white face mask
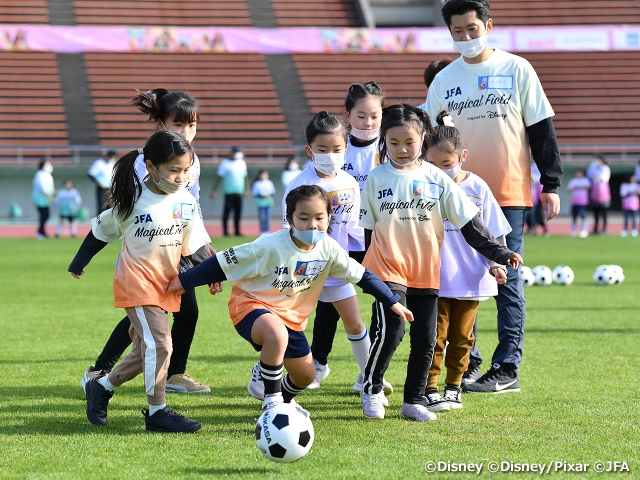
pixel 165 185
pixel 327 163
pixel 471 48
pixel 365 135
pixel 293 166
pixel 454 171
pixel 48 168
pixel 238 156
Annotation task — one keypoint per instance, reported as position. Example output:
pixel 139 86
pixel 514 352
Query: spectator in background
pixel 263 191
pixel 599 173
pixel 68 202
pixel 43 194
pixel 233 172
pixel 100 173
pixel 535 216
pixel 630 205
pixel 430 73
pixel 291 171
pixel 579 187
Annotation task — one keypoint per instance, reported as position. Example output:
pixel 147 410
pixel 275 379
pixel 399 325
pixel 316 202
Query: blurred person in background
pixel 43 195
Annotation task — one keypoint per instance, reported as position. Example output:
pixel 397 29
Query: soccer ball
pixel 543 275
pixel 284 433
pixel 618 274
pixel 563 275
pixel 604 275
pixel 527 276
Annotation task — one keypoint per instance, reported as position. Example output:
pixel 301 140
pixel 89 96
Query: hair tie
pixel 447 121
pixel 141 151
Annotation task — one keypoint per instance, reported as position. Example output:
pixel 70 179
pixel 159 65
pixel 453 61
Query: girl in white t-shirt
pixel 278 279
pixel 158 222
pixel 404 204
pixel 326 137
pixel 465 275
pixel 174 111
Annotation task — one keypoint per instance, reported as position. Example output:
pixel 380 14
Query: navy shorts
pixel 579 210
pixel 298 346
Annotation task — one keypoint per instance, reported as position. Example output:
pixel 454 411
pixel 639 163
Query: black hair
pixel 258 176
pixel 41 164
pixel 444 137
pixel 402 114
pixel 584 172
pixel 126 188
pixel 162 104
pixel 111 154
pixel 306 192
pixel 359 91
pixel 324 123
pixel 461 7
pixel 433 69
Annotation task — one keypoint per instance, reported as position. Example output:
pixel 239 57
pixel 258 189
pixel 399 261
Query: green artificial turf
pixel 579 380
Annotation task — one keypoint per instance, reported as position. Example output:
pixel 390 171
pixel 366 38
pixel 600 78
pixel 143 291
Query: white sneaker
pixel 322 372
pixel 624 233
pixel 272 400
pixel 387 388
pixel 256 386
pixel 372 406
pixel 299 408
pixel 417 412
pixel 435 403
pixel 584 234
pixel 634 233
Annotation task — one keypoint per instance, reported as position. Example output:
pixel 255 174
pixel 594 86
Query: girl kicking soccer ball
pixel 278 279
pixel 158 221
pixel 404 204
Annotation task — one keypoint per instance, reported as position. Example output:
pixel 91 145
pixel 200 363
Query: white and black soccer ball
pixel 604 275
pixel 527 276
pixel 618 274
pixel 543 275
pixel 284 433
pixel 563 275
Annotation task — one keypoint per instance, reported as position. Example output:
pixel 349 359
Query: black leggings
pixel 44 216
pixel 599 209
pixel 232 201
pixel 387 331
pixel 182 332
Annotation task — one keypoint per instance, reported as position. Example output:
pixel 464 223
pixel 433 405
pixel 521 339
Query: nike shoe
pixel 472 374
pixel 435 403
pixel 496 380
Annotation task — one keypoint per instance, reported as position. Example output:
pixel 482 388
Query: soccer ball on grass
pixel 563 275
pixel 284 433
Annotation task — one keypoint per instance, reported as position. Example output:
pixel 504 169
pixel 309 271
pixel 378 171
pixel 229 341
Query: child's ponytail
pixel 162 104
pixel 446 136
pixel 125 186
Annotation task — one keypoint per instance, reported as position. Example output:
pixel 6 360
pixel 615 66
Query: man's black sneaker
pixel 166 420
pixel 472 374
pixel 496 380
pixel 97 401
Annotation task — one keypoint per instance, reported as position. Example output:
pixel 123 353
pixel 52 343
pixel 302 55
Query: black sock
pixel 271 377
pixel 289 389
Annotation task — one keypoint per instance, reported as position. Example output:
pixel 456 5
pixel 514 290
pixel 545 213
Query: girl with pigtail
pixel 173 111
pixel 158 222
pixel 404 204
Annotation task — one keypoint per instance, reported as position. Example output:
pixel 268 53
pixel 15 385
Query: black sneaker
pixel 452 396
pixel 166 420
pixel 435 403
pixel 97 401
pixel 472 374
pixel 496 380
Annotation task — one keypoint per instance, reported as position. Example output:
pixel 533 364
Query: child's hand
pixel 175 286
pixel 210 250
pixel 403 313
pixel 77 275
pixel 515 260
pixel 215 288
pixel 500 275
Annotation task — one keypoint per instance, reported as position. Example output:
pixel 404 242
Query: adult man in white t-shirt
pixel 496 101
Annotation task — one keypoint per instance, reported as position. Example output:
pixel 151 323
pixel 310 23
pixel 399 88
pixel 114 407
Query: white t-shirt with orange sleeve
pixel 492 103
pixel 464 273
pixel 273 273
pixel 158 231
pixel 406 211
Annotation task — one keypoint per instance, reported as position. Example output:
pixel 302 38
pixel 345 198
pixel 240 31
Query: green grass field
pixel 579 380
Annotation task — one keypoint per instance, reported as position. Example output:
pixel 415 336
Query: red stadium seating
pixel 238 102
pixel 24 11
pixel 315 13
pixel 565 12
pixel 222 13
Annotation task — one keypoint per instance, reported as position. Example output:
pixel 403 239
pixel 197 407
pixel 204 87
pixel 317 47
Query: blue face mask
pixel 308 237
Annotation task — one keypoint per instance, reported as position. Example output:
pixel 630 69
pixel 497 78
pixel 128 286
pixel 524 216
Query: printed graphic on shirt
pixel 312 267
pixel 432 191
pixel 230 256
pixel 183 211
pixel 495 82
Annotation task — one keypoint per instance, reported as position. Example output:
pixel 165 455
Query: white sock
pixel 106 383
pixel 74 229
pixel 360 344
pixel 154 408
pixel 59 229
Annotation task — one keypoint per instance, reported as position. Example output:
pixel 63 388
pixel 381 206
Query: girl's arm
pixel 89 248
pixel 372 285
pixel 207 272
pixel 479 237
